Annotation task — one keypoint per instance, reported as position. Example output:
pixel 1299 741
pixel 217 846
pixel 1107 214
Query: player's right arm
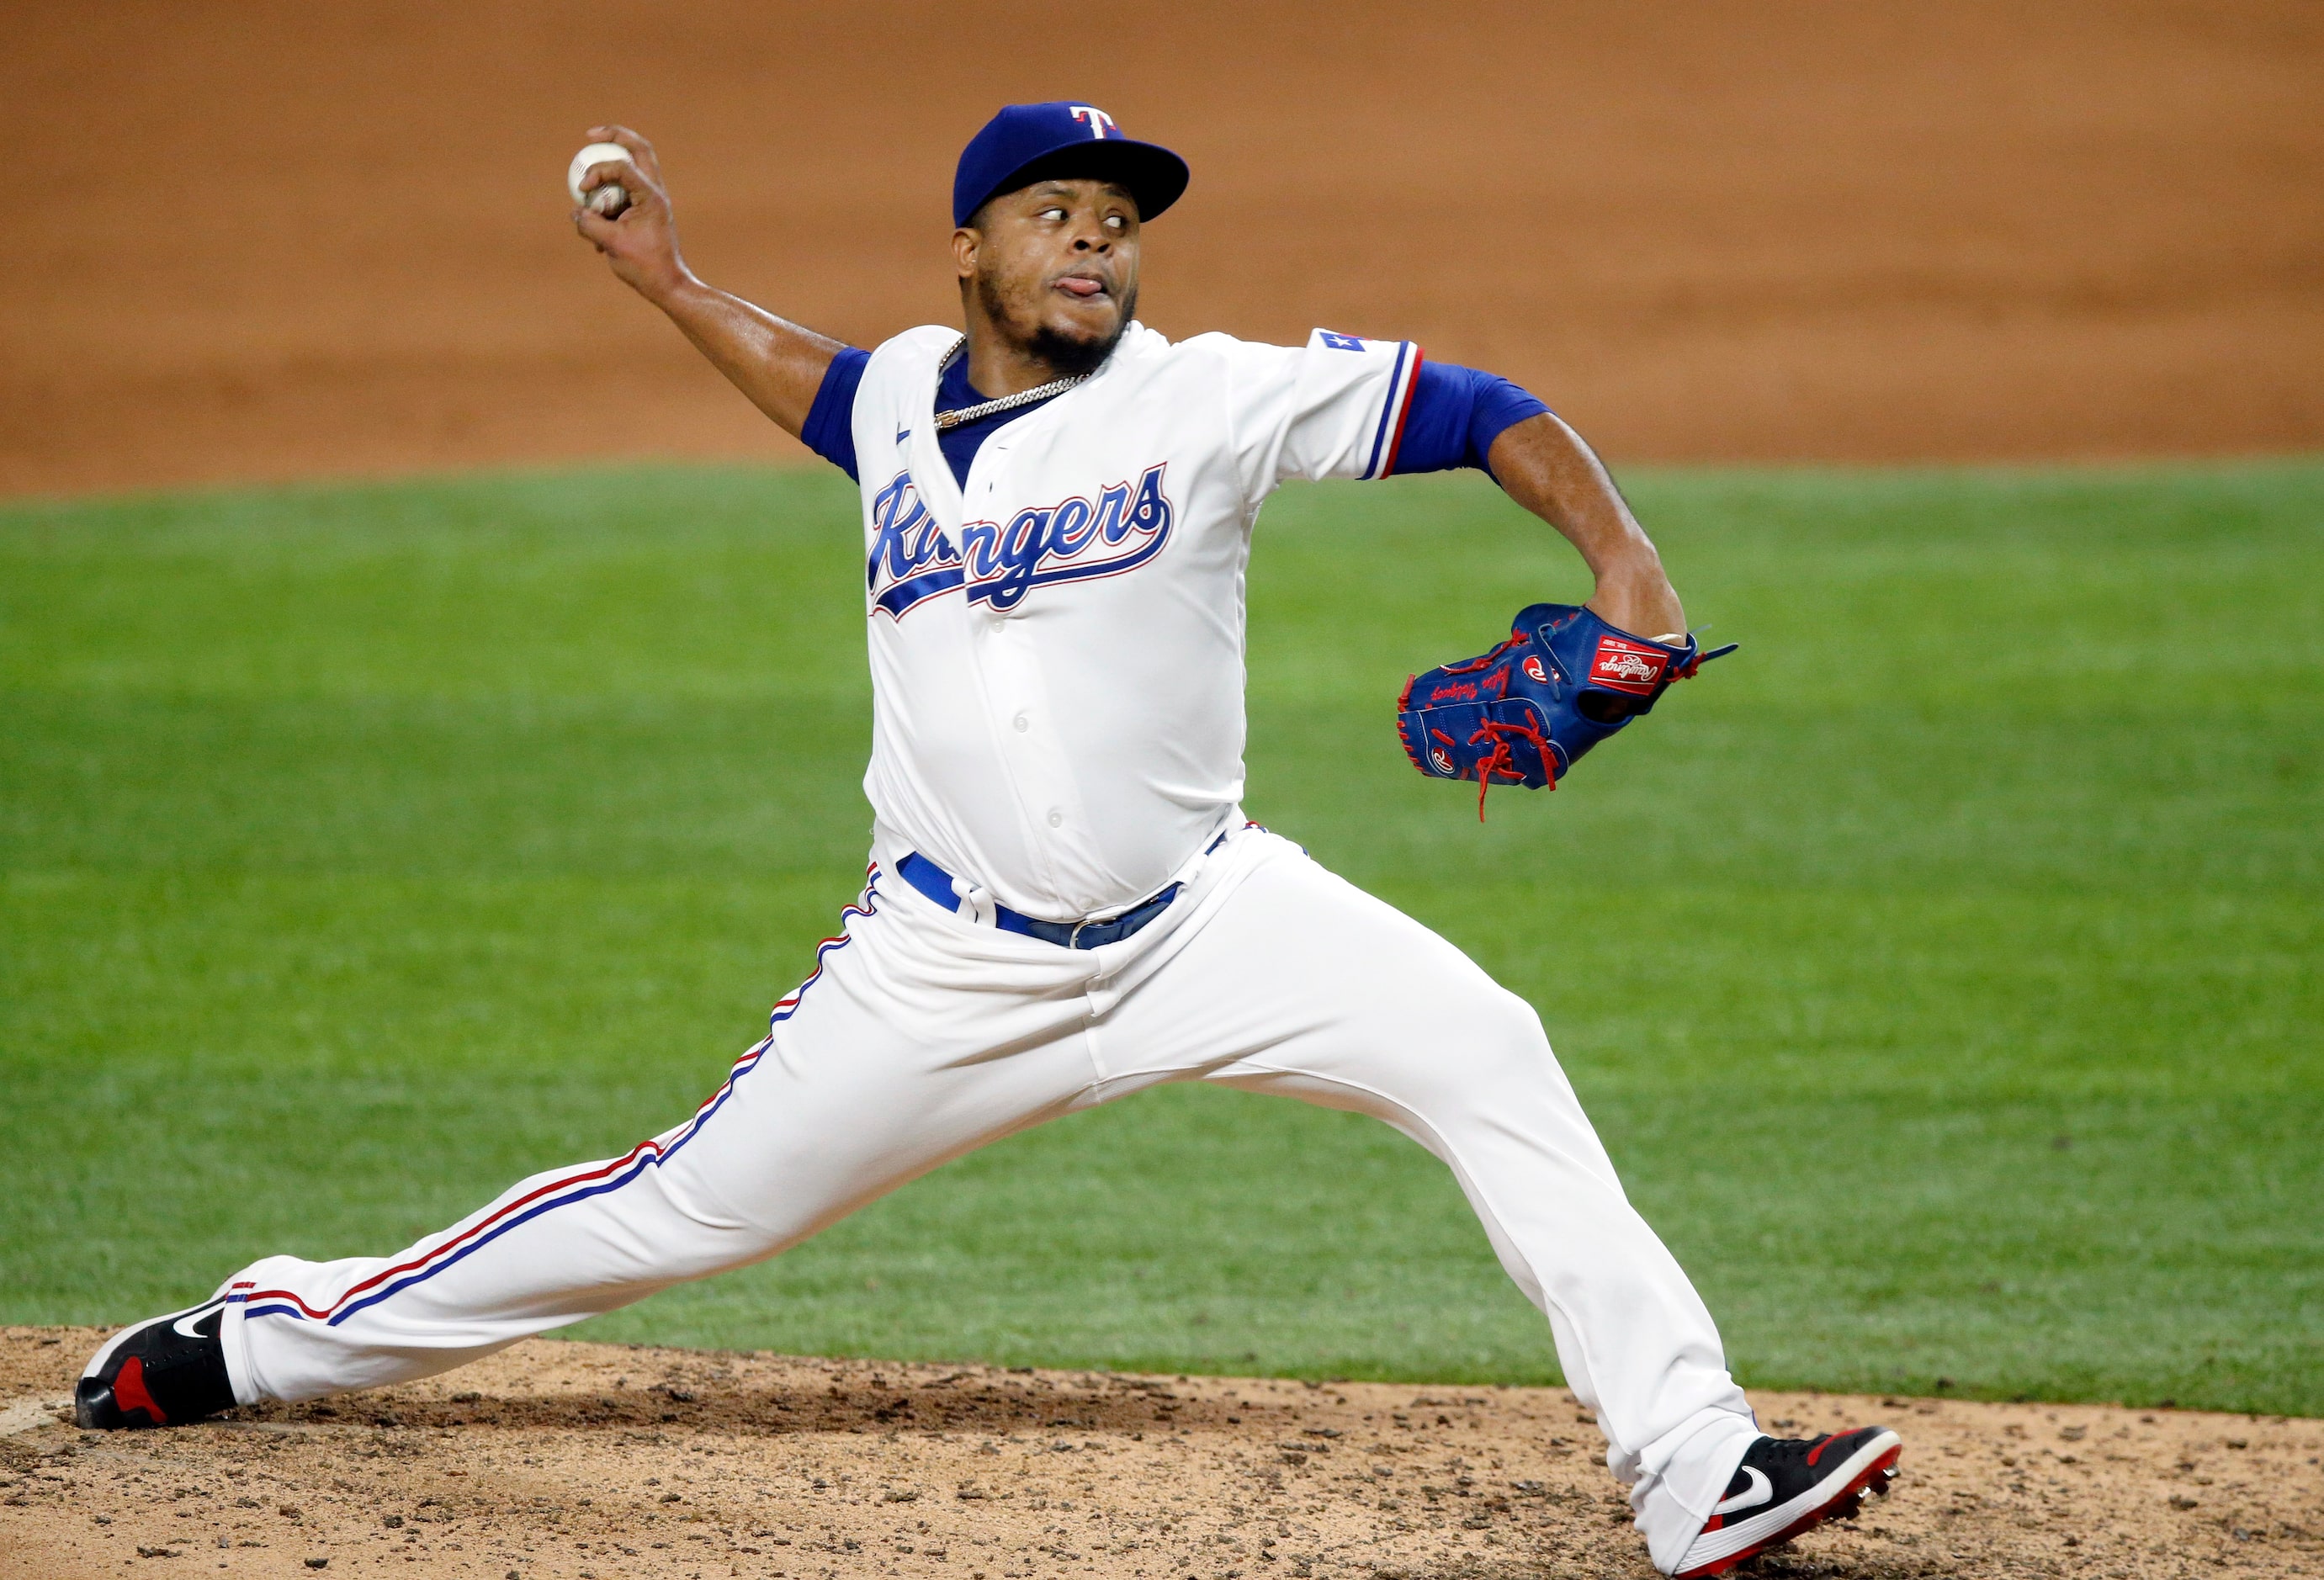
pixel 779 364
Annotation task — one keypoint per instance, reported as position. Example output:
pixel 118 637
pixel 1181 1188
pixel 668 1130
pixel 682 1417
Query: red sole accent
pixel 1874 1477
pixel 129 1391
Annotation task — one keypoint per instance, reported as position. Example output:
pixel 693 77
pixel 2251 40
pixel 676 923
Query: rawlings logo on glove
pixel 1627 665
pixel 1526 711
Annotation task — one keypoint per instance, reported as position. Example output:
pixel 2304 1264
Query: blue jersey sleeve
pixel 1456 414
pixel 830 431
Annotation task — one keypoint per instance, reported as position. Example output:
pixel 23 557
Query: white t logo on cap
pixel 1099 121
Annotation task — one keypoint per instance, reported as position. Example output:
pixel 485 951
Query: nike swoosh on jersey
pixel 1759 1492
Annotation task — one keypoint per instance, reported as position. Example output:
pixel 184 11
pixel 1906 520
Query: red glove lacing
pixel 1503 761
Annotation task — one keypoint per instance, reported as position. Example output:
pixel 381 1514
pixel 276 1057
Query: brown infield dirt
pixel 589 1462
pixel 270 239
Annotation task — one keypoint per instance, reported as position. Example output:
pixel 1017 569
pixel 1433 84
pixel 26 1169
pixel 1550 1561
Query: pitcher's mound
pixel 596 1461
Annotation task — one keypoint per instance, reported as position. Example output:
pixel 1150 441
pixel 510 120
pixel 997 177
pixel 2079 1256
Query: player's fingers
pixel 645 198
pixel 641 151
pixel 619 171
pixel 596 228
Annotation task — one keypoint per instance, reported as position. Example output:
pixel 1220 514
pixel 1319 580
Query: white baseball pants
pixel 922 1035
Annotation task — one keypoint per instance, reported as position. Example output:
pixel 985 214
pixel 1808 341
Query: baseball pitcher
pixel 1064 903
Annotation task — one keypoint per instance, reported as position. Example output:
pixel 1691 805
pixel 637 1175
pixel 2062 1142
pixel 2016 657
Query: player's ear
pixel 964 243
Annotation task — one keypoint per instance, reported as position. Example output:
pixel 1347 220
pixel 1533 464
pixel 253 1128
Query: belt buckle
pixel 1146 909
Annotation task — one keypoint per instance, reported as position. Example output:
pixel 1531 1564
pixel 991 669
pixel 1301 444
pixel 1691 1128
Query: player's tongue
pixel 1076 285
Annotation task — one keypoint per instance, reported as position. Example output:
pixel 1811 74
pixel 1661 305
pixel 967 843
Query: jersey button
pixel 1056 820
pixel 1022 723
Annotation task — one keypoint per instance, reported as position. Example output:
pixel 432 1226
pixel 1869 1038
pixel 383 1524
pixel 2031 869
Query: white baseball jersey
pixel 1057 648
pixel 1057 656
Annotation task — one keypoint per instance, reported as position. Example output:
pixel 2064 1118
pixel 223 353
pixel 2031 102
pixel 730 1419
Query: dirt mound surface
pixel 271 239
pixel 594 1461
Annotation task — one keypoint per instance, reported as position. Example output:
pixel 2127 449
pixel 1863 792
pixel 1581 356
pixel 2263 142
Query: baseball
pixel 608 200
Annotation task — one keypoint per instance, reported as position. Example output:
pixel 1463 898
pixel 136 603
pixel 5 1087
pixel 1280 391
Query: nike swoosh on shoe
pixel 194 1318
pixel 1759 1492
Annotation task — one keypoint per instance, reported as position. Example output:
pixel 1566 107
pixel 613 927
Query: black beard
pixel 1060 352
pixel 1069 358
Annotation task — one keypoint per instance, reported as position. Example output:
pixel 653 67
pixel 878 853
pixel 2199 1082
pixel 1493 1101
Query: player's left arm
pixel 1344 405
pixel 1542 465
pixel 1459 416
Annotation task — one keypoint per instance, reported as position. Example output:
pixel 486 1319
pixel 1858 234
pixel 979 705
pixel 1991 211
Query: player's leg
pixel 1303 985
pixel 880 1068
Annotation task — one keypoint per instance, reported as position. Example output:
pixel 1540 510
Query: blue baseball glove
pixel 1526 711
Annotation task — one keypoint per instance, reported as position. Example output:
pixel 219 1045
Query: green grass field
pixel 1946 971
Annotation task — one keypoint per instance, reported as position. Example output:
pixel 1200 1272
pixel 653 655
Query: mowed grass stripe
pixel 1943 970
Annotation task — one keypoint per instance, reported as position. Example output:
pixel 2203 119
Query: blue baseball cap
pixel 1025 143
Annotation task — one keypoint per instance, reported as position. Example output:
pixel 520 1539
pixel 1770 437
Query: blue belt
pixel 935 882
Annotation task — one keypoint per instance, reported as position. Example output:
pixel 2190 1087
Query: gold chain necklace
pixel 948 420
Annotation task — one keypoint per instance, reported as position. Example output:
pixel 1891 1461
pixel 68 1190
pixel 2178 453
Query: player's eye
pixel 1053 214
pixel 1115 223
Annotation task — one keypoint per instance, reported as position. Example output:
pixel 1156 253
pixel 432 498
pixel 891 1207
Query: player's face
pixel 1053 268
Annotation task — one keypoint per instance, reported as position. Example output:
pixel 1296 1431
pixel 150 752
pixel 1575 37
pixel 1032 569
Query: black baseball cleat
pixel 1787 1486
pixel 159 1373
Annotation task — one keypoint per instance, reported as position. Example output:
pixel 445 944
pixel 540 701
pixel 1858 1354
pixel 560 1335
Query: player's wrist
pixel 1636 596
pixel 672 288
